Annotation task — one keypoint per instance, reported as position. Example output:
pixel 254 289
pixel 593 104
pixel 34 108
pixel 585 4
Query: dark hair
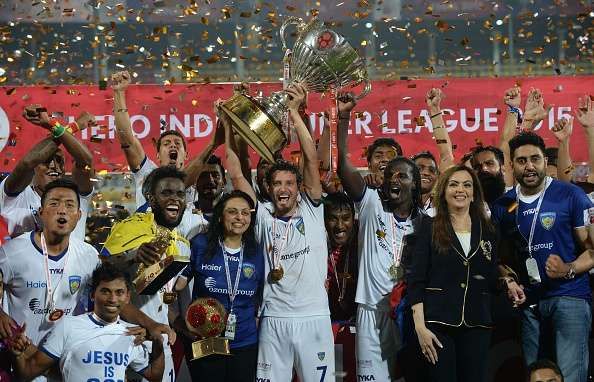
pixel 161 173
pixel 442 226
pixel 552 153
pixel 213 159
pixel 543 364
pixel 526 138
pixel 216 228
pixel 466 157
pixel 109 272
pixel 60 183
pixel 170 132
pixel 283 165
pixel 416 195
pixel 383 142
pixel 337 201
pixel 424 154
pixel 495 150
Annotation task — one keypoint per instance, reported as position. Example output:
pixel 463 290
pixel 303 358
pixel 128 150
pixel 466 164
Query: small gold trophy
pixel 141 228
pixel 207 318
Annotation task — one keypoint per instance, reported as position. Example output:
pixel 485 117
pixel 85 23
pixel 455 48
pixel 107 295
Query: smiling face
pixel 109 298
pixel 398 183
pixel 172 151
pixel 210 183
pixel 49 171
pixel 283 191
pixel 428 170
pixel 237 217
pixel 60 212
pixel 339 225
pixel 544 375
pixel 459 191
pixel 529 164
pixel 380 158
pixel 168 202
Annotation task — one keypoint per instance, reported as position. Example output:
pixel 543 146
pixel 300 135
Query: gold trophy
pixel 141 228
pixel 321 59
pixel 207 318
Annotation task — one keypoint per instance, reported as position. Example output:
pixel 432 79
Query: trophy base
pixel 209 346
pixel 255 126
pixel 152 278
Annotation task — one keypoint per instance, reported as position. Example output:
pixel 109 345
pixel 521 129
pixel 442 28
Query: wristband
pixel 436 114
pixel 57 129
pixel 570 274
pixel 515 110
pixel 72 127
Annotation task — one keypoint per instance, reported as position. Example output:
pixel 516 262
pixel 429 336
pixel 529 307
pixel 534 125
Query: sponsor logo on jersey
pixel 74 283
pixel 262 380
pixel 210 282
pixel 547 220
pixel 35 284
pixel 362 363
pixel 366 378
pixel 248 270
pixel 34 304
pixel 36 307
pixel 211 267
pixel 263 366
pixel 321 355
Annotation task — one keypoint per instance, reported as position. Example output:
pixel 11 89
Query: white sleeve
pixel 6 200
pixel 5 268
pixel 145 168
pixel 316 210
pixel 368 203
pixel 80 230
pixel 261 215
pixel 55 342
pixel 139 358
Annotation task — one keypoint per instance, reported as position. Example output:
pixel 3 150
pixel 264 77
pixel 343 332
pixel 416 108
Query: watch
pixel 571 273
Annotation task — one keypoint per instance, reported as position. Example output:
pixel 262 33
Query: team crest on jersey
pixel 248 271
pixel 321 355
pixel 74 283
pixel 547 220
pixel 589 216
pixel 300 226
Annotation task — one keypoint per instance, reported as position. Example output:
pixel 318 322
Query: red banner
pixel 475 113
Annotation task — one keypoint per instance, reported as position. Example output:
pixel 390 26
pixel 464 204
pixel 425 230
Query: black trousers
pixel 464 355
pixel 240 366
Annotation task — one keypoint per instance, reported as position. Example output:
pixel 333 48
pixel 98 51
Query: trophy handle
pixel 366 90
pixel 289 21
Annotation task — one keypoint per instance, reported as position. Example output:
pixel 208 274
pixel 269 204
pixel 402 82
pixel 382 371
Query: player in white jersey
pixel 295 328
pixel 385 218
pixel 166 197
pixel 95 346
pixel 20 192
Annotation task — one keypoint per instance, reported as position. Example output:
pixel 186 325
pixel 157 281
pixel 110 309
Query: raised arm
pixel 585 116
pixel 512 100
pixel 195 167
pixel 562 130
pixel 22 174
pixel 311 175
pixel 128 142
pixel 351 179
pixel 534 111
pixel 433 99
pixel 83 159
pixel 238 181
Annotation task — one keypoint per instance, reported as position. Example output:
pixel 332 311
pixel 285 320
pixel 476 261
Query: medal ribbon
pixel 49 298
pixel 286 81
pixel 276 251
pixel 396 250
pixel 341 288
pixel 232 290
pixel 333 127
pixel 536 212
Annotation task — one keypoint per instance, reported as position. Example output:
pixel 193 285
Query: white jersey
pixel 23 268
pixel 191 224
pixel 429 208
pixel 91 350
pixel 303 257
pixel 376 250
pixel 20 211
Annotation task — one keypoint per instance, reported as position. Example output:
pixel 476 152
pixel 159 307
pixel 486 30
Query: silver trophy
pixel 321 59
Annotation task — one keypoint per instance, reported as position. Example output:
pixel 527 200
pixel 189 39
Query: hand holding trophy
pixel 207 318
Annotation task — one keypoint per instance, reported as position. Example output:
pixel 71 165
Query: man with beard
pixel 295 328
pixel 487 162
pixel 383 224
pixel 341 226
pixel 427 165
pixel 171 151
pixel 167 200
pixel 210 185
pixel 20 192
pixel 549 224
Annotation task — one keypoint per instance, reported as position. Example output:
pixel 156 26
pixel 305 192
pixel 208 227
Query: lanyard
pixel 232 291
pixel 536 212
pixel 396 249
pixel 341 288
pixel 276 251
pixel 50 291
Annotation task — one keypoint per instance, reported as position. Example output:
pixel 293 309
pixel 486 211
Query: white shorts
pixel 168 371
pixel 378 342
pixel 304 343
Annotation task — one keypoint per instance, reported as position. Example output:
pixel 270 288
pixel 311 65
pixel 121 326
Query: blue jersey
pixel 210 280
pixel 564 207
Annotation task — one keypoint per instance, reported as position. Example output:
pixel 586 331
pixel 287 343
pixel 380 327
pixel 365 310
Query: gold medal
pixel 396 272
pixel 55 315
pixel 169 297
pixel 276 274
